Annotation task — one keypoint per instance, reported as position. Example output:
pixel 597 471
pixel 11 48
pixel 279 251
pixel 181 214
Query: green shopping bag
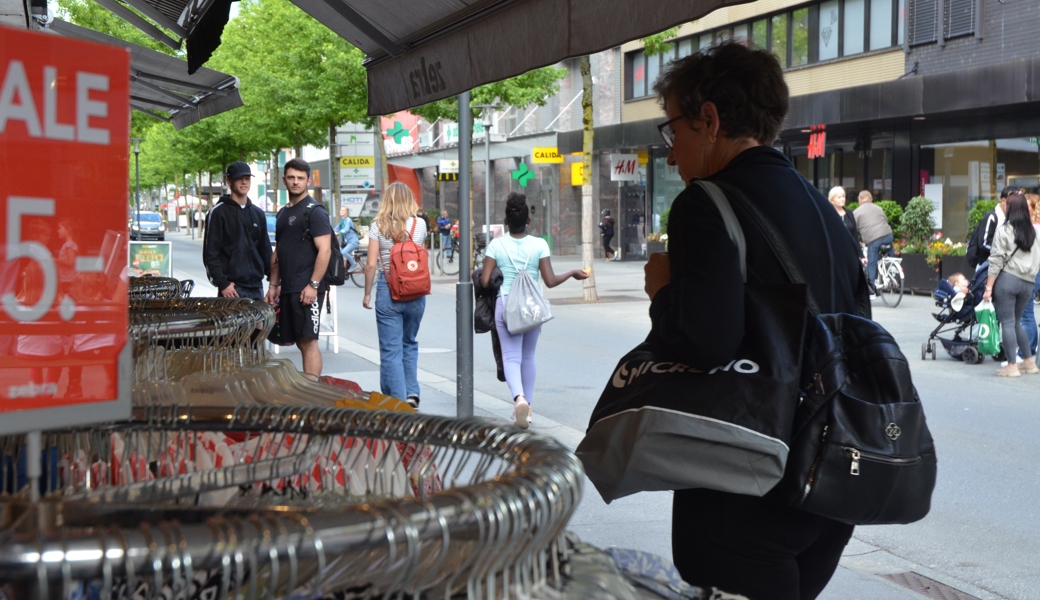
pixel 989 328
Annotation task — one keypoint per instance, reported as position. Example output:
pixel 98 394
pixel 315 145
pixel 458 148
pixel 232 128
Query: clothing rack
pixel 506 498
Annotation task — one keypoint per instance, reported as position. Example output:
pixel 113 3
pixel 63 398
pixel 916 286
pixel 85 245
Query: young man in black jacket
pixel 236 249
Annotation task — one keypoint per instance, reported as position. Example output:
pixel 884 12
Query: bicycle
pixel 889 281
pixel 357 274
pixel 446 257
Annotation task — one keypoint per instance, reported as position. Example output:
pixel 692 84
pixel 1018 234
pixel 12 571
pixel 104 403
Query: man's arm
pixel 991 231
pixel 275 282
pixel 211 252
pixel 323 243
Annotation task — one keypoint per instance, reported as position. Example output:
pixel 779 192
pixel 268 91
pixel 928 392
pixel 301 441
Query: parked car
pixel 271 220
pixel 150 227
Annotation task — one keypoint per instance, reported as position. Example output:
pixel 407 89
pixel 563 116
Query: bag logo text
pixel 624 376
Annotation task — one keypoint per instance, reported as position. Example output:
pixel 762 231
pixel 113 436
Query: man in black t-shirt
pixel 303 235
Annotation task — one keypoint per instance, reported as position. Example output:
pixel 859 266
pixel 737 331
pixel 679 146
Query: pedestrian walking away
pixel 348 237
pixel 303 237
pixel 875 232
pixel 724 107
pixel 1013 265
pixel 444 228
pixel 980 244
pixel 236 249
pixel 531 253
pixel 397 323
pixel 606 232
pixel 1029 316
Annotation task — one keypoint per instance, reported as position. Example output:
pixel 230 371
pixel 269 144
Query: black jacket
pixel 236 247
pixel 699 315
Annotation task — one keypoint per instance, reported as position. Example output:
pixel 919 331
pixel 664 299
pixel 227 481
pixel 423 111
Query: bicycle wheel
pixel 448 266
pixel 892 290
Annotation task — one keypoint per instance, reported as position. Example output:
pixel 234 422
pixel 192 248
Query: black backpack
pixel 977 253
pixel 336 273
pixel 860 451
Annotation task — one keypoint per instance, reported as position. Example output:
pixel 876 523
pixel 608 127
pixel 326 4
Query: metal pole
pixel 137 196
pixel 487 186
pixel 464 288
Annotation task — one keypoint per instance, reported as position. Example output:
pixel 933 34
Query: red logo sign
pixel 817 141
pixel 64 121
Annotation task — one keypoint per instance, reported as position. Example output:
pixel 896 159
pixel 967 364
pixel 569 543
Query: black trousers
pixel 753 546
pixel 607 250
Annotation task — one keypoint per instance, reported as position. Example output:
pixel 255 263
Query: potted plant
pixel 656 242
pixel 916 228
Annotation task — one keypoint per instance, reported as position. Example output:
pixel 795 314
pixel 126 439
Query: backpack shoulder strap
pixel 733 228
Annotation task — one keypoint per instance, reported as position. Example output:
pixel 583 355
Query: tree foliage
pixel 916 223
pixel 658 43
pixel 533 87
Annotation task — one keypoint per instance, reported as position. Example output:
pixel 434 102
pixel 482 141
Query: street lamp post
pixel 137 167
pixel 485 120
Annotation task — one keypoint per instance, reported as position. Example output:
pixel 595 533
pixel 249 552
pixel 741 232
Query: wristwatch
pixel 315 284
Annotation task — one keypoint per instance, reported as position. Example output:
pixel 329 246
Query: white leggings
pixel 517 354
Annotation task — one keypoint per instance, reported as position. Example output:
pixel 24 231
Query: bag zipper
pixel 816 463
pixel 856 455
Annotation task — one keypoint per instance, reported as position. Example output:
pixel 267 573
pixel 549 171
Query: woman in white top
pixel 397 323
pixel 532 254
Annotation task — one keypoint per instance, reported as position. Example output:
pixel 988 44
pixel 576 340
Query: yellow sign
pixel 545 155
pixel 357 161
pixel 577 173
pixel 643 157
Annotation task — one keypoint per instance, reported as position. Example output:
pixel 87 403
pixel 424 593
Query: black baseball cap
pixel 238 169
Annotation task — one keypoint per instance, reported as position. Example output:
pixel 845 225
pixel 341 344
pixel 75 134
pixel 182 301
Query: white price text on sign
pixel 64 119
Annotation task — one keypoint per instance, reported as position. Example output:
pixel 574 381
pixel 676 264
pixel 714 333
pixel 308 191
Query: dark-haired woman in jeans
pixel 1013 264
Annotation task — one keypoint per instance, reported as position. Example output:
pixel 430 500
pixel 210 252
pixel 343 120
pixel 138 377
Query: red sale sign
pixel 64 127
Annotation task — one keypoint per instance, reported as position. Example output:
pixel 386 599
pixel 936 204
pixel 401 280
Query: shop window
pixel 638 71
pixel 828 44
pixel 854 27
pixel 800 37
pixel 960 18
pixel 901 22
pixel 686 46
pixel 653 69
pixel 924 17
pixel 740 34
pixel 881 17
pixel 779 39
pixel 760 33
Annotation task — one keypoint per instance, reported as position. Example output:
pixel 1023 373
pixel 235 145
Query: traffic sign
pixel 449 166
pixel 64 137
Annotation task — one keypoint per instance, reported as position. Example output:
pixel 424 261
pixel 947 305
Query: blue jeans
pixel 446 243
pixel 1029 320
pixel 397 324
pixel 872 257
pixel 347 249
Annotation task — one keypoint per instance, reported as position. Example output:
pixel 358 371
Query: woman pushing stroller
pixel 1013 265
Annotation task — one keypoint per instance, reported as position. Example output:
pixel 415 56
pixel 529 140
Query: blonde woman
pixel 837 199
pixel 397 323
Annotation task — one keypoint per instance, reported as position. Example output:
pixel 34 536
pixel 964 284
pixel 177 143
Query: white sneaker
pixel 1018 360
pixel 521 413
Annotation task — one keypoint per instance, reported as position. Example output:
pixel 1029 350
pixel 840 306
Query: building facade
pixel 899 97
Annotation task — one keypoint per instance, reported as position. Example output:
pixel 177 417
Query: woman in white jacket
pixel 1013 265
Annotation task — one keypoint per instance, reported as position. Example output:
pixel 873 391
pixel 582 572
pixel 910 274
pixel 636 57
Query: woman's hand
pixel 580 274
pixel 658 273
pixel 987 296
pixel 367 301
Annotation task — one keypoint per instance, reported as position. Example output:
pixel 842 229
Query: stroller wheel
pixel 971 356
pixel 931 348
pixel 924 350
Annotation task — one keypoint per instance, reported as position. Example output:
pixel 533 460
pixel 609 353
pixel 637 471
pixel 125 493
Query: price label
pixel 64 121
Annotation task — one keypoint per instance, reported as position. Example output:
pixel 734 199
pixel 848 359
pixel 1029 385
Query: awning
pixel 515 147
pixel 419 52
pixel 160 85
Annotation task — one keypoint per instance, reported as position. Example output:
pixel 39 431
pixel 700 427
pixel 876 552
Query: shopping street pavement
pixel 981 539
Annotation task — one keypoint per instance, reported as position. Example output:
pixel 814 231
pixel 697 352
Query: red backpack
pixel 409 274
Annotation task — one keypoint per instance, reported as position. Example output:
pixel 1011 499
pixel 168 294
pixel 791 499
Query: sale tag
pixel 64 127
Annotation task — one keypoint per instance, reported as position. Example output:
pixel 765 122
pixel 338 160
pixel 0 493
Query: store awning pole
pixel 464 288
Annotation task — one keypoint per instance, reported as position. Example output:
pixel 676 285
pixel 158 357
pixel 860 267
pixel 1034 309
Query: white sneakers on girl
pixel 521 412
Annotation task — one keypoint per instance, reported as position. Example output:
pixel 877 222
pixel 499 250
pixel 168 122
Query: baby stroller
pixel 957 321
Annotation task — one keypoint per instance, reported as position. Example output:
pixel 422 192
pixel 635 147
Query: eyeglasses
pixel 667 133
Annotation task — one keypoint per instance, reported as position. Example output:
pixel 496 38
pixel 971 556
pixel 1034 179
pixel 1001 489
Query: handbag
pixel 861 452
pixel 525 306
pixel 663 425
pixel 989 329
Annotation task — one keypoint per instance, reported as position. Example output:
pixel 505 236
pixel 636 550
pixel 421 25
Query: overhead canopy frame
pixel 419 52
pixel 159 83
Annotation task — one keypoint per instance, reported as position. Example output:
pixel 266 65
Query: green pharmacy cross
pixel 397 132
pixel 523 174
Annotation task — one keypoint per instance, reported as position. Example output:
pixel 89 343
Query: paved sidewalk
pixel 641 521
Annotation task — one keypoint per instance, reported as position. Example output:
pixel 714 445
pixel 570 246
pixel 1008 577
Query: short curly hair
pixel 746 85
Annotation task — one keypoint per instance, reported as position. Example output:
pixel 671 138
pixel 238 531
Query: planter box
pixel 955 264
pixel 918 276
pixel 652 247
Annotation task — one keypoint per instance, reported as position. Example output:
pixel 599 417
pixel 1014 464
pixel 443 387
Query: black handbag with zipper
pixel 861 452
